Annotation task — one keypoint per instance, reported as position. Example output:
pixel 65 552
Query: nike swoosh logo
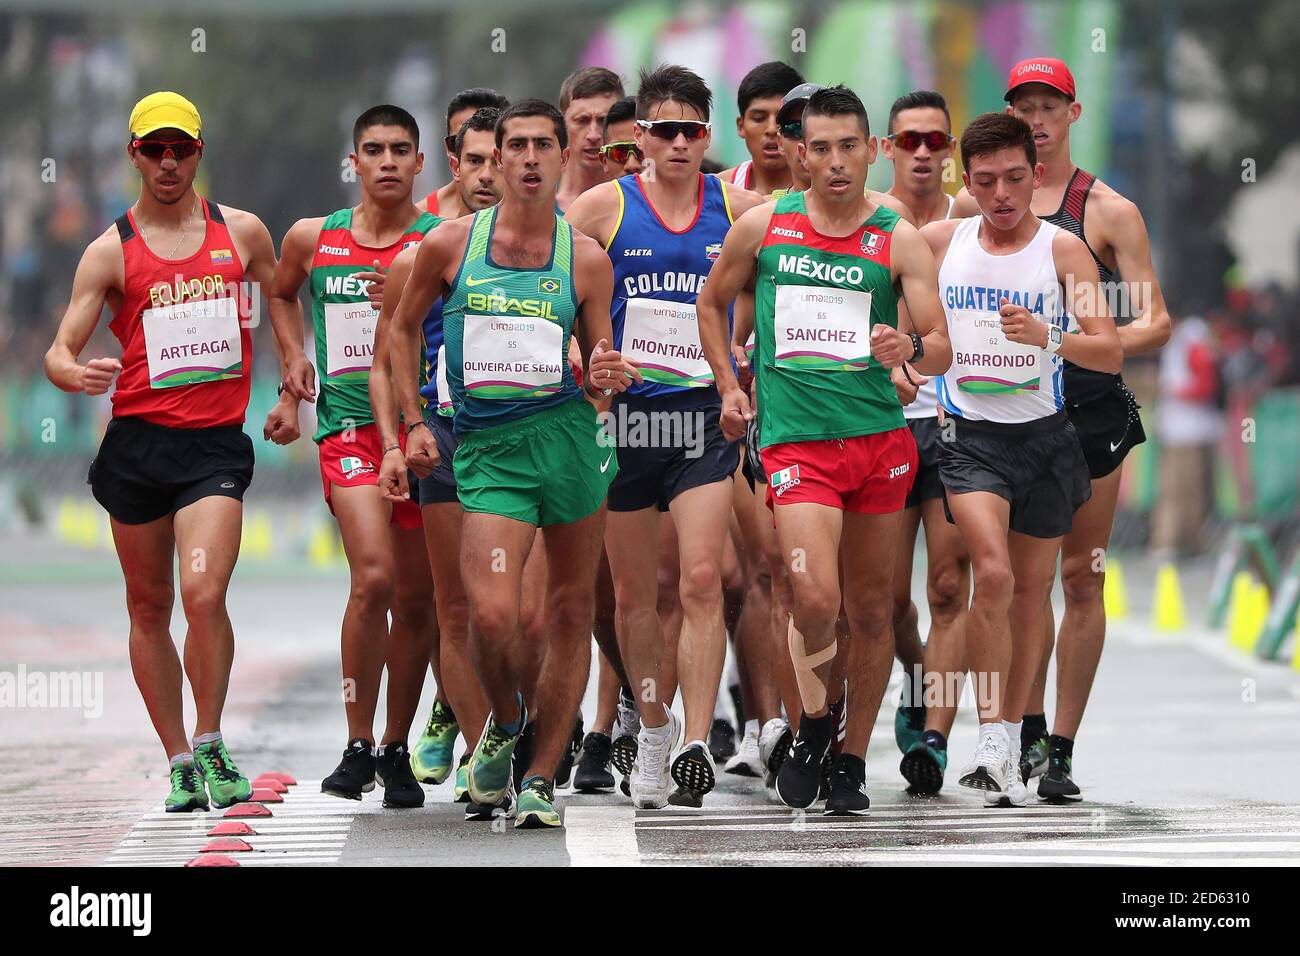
pixel 605 466
pixel 471 281
pixel 1115 444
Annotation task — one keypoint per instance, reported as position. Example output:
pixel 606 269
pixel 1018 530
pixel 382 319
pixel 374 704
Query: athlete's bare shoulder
pixel 595 213
pixel 242 223
pixel 727 175
pixel 891 202
pixel 1117 213
pixel 589 254
pixel 751 227
pixel 103 259
pixel 300 240
pixel 740 199
pixel 938 235
pixel 1067 247
pixel 964 205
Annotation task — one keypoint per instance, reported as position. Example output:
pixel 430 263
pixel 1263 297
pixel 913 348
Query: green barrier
pixel 1275 456
pixel 1248 546
pixel 1282 614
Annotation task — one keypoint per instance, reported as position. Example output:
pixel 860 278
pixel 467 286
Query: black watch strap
pixel 918 347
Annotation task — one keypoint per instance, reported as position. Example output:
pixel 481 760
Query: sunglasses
pixel 910 140
pixel 671 129
pixel 619 152
pixel 157 148
pixel 449 143
pixel 792 130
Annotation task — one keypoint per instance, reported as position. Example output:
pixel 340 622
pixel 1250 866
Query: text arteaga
pixel 75 909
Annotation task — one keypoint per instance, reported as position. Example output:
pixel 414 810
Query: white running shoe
pixel 651 779
pixel 774 743
pixel 748 761
pixel 629 718
pixel 988 769
pixel 1016 793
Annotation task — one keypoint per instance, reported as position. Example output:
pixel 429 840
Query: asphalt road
pixel 1188 755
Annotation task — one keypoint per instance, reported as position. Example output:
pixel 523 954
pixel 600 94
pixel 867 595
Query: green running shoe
pixel 535 809
pixel 431 755
pixel 923 766
pixel 909 727
pixel 1033 758
pixel 225 783
pixel 491 766
pixel 461 792
pixel 187 790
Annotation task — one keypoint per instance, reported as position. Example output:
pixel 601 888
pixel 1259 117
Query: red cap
pixel 1041 69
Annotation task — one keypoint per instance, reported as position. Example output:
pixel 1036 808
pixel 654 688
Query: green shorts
pixel 553 467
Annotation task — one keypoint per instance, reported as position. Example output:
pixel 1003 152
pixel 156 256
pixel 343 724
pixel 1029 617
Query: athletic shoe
pixel 355 773
pixel 1016 795
pixel 490 772
pixel 909 727
pixel 988 769
pixel 187 790
pixel 923 765
pixel 848 788
pixel 523 755
pixel 774 742
pixel 694 773
pixel 431 755
pixel 565 770
pixel 1057 785
pixel 592 775
pixel 798 779
pixel 828 764
pixel 393 771
pixel 722 739
pixel 226 785
pixel 536 807
pixel 651 773
pixel 748 762
pixel 629 718
pixel 460 792
pixel 486 812
pixel 1033 758
pixel 623 752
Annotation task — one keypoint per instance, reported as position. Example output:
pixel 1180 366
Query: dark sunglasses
pixel 671 129
pixel 619 152
pixel 449 143
pixel 910 139
pixel 792 130
pixel 157 148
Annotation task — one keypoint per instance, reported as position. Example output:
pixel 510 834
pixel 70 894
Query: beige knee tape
pixel 811 689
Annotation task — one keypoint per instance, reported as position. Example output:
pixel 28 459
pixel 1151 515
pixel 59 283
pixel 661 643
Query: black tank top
pixel 1084 384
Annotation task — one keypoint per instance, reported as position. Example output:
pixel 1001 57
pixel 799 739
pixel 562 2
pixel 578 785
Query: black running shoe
pixel 684 797
pixel 393 771
pixel 565 770
pixel 722 740
pixel 848 788
pixel 828 764
pixel 1056 785
pixel 592 775
pixel 523 756
pixel 484 813
pixel 355 773
pixel 693 770
pixel 799 778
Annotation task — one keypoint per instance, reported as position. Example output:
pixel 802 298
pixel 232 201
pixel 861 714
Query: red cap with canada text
pixel 1041 69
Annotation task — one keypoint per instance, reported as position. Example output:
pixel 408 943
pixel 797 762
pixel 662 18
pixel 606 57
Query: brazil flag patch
pixel 549 285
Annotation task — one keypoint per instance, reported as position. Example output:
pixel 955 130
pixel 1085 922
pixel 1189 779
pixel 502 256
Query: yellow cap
pixel 165 111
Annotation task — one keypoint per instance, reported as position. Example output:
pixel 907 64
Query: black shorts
pixel 666 445
pixel 440 487
pixel 751 462
pixel 144 471
pixel 927 483
pixel 1036 466
pixel 1108 427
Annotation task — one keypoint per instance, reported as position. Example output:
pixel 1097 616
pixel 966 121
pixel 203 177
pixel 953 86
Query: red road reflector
pixel 248 810
pixel 232 828
pixel 284 778
pixel 270 783
pixel 212 859
pixel 265 796
pixel 227 845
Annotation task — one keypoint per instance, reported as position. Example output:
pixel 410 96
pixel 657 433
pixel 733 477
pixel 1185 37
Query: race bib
pixel 822 329
pixel 508 357
pixel 349 339
pixel 444 392
pixel 663 338
pixel 984 362
pixel 192 342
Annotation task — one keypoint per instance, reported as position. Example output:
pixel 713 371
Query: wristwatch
pixel 918 347
pixel 1054 336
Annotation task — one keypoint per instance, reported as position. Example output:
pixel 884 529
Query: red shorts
pixel 866 474
pixel 349 464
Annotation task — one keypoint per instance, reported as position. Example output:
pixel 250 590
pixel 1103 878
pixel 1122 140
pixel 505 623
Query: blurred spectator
pixel 1189 418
